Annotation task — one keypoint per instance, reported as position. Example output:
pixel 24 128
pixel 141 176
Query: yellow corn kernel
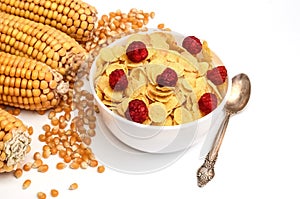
pixel 43 168
pixel 26 184
pixel 18 173
pixel 60 165
pixel 41 195
pixel 100 169
pixel 54 193
pixel 73 186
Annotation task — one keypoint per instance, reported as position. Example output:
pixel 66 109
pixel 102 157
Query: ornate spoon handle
pixel 206 172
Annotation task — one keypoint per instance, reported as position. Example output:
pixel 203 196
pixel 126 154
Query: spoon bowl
pixel 240 93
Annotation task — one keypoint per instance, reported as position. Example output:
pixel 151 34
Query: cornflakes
pixel 167 105
pixel 157 112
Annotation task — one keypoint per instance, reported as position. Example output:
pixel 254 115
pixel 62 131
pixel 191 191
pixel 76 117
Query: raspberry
pixel 207 103
pixel 137 111
pixel 192 44
pixel 137 51
pixel 118 80
pixel 167 78
pixel 217 75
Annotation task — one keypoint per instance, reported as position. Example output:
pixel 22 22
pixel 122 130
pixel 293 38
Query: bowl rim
pixel 174 127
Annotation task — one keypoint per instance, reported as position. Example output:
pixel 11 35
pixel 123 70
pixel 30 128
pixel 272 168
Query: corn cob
pixel 27 38
pixel 28 84
pixel 14 141
pixel 74 17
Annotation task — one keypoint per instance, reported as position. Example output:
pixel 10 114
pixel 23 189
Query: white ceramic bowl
pixel 162 139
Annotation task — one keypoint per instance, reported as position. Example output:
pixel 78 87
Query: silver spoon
pixel 239 97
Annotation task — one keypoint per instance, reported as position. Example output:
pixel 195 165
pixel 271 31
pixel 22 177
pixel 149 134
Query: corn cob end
pixel 14 142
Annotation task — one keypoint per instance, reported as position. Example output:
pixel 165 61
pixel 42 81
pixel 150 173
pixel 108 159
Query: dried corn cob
pixel 29 84
pixel 14 141
pixel 27 38
pixel 74 17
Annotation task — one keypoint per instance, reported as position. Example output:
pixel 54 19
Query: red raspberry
pixel 192 44
pixel 137 51
pixel 118 80
pixel 207 103
pixel 167 78
pixel 137 111
pixel 217 75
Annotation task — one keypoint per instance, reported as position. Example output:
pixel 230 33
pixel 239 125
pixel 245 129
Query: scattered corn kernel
pixel 37 164
pixel 43 168
pixel 18 173
pixel 54 193
pixel 74 165
pixel 46 154
pixel 152 15
pixel 30 130
pixel 16 111
pixel 73 186
pixel 37 156
pixel 42 138
pixel 51 114
pixel 46 128
pixel 41 112
pixel 41 195
pixel 84 165
pixel 93 163
pixel 26 184
pixel 161 26
pixel 61 165
pixel 27 166
pixel 100 169
pixel 67 159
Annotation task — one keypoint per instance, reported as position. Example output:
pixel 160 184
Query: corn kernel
pixel 27 166
pixel 60 165
pixel 18 173
pixel 37 155
pixel 100 169
pixel 73 186
pixel 41 195
pixel 43 168
pixel 26 184
pixel 54 193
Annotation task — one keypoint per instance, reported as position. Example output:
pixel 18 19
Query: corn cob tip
pixel 16 147
pixel 30 84
pixel 74 61
pixel 14 141
pixel 62 85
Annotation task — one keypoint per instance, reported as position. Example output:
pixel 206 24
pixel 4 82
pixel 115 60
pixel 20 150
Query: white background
pixel 259 157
